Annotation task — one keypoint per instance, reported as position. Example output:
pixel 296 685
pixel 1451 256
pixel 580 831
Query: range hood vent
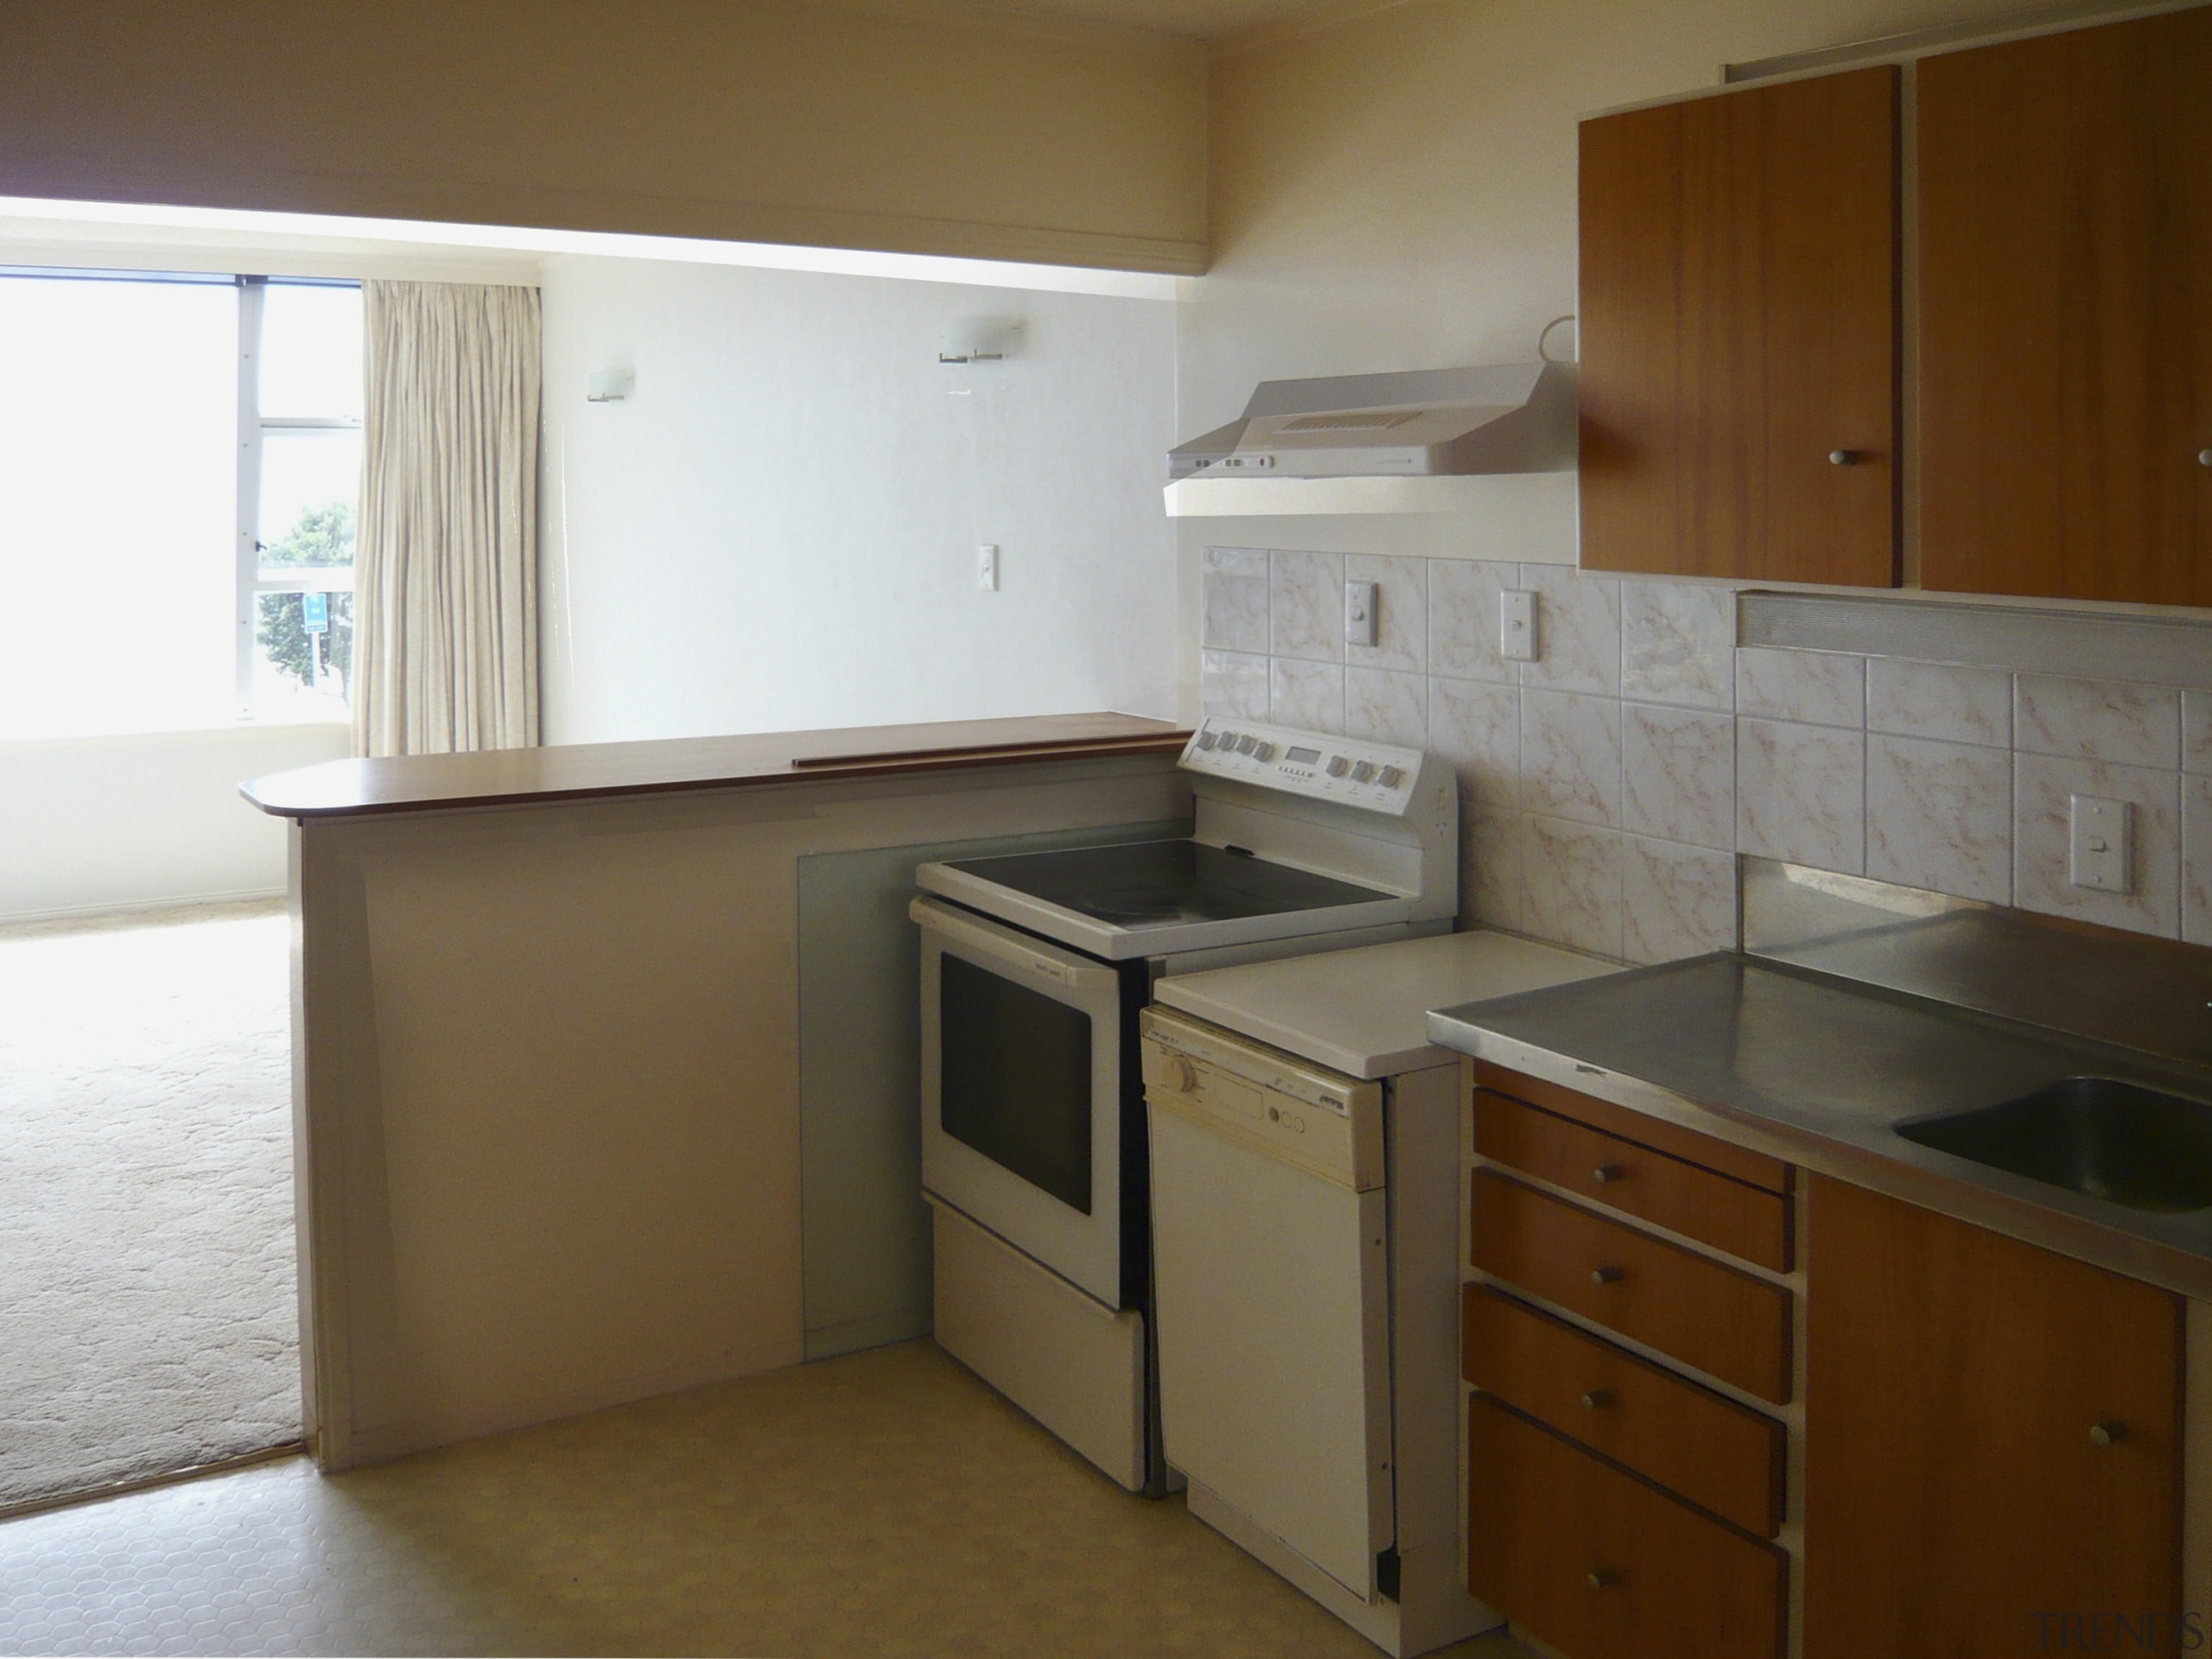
pixel 1511 417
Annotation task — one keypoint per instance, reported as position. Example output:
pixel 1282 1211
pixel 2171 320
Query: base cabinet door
pixel 1599 1564
pixel 1993 1443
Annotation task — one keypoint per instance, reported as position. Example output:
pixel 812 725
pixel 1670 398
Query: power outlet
pixel 1516 625
pixel 987 567
pixel 1362 625
pixel 2100 845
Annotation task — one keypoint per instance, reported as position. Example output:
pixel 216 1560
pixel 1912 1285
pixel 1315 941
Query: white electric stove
pixel 1034 970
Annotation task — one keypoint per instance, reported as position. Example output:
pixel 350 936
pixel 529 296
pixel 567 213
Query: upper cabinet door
pixel 1739 334
pixel 2066 314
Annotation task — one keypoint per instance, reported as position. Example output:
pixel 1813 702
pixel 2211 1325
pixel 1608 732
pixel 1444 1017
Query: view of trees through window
pixel 178 485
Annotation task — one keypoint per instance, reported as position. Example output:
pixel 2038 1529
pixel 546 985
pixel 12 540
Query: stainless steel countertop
pixel 1817 1070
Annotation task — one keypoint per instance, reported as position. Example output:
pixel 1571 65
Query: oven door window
pixel 1016 1078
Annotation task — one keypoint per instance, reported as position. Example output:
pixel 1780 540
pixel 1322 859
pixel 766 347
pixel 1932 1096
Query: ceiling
pixel 1199 19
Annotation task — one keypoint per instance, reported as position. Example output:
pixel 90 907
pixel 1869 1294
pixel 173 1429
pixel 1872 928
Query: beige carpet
pixel 885 1503
pixel 147 1319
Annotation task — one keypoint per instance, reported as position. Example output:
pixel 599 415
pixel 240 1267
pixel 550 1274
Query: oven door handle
pixel 1032 957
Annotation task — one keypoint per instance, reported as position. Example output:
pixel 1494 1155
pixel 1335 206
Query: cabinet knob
pixel 1597 1399
pixel 2204 457
pixel 1605 1275
pixel 1599 1577
pixel 1843 457
pixel 2105 1434
pixel 1605 1174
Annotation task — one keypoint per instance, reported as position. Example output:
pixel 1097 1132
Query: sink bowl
pixel 2094 1135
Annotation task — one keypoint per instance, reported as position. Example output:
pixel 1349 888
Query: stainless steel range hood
pixel 1511 417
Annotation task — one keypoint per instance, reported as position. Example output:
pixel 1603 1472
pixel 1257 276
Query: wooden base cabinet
pixel 1993 1443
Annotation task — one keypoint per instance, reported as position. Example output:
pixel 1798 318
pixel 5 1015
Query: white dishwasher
pixel 1305 1262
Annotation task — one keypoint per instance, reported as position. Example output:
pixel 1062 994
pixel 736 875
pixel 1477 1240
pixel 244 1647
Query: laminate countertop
pixel 418 783
pixel 1819 1070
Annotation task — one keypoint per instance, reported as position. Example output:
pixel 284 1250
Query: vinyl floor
pixel 885 1503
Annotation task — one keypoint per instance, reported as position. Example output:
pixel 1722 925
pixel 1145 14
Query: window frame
pixel 253 429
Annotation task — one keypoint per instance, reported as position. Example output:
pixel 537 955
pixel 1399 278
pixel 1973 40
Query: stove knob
pixel 1207 740
pixel 1364 772
pixel 1392 775
pixel 1264 751
pixel 1338 766
pixel 1246 743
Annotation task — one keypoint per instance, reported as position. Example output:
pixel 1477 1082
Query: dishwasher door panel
pixel 1271 1298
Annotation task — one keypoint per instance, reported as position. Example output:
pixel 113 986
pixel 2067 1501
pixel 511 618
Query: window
pixel 179 457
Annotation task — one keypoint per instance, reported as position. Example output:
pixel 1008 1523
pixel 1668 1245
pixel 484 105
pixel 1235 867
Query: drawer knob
pixel 2105 1434
pixel 1843 457
pixel 1597 1399
pixel 1599 1577
pixel 1605 1275
pixel 1605 1174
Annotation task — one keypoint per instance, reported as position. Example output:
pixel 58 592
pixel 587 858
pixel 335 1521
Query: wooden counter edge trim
pixel 1693 1146
pixel 1167 740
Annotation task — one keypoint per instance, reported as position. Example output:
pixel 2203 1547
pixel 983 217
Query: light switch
pixel 2102 837
pixel 1360 598
pixel 1516 625
pixel 987 567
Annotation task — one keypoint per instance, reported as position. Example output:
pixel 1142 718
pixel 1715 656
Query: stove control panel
pixel 1378 777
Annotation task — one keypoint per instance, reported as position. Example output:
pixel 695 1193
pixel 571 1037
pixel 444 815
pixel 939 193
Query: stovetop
pixel 1158 883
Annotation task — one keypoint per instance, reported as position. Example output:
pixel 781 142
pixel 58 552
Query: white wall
pixel 94 823
pixel 776 530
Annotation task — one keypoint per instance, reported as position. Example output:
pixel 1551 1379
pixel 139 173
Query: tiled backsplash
pixel 1606 786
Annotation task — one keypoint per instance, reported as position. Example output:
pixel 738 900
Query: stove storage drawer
pixel 1721 1456
pixel 1599 1564
pixel 1730 1215
pixel 1712 1318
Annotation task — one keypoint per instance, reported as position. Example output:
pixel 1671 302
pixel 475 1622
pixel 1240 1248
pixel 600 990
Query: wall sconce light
pixel 609 386
pixel 978 340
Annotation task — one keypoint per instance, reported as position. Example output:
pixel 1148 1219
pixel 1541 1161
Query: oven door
pixel 1022 1092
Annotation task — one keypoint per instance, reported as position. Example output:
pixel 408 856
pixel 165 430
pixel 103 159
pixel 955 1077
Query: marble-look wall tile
pixel 2196 860
pixel 1305 605
pixel 1234 682
pixel 1478 729
pixel 1940 816
pixel 1822 688
pixel 2095 720
pixel 2041 812
pixel 2196 733
pixel 1387 707
pixel 1492 850
pixel 1401 612
pixel 1678 644
pixel 1578 631
pixel 1939 700
pixel 1463 619
pixel 1308 696
pixel 1676 901
pixel 1678 775
pixel 1800 794
pixel 2043 835
pixel 1571 756
pixel 1233 595
pixel 1570 885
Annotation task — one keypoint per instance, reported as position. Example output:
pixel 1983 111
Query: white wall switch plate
pixel 1360 621
pixel 1516 625
pixel 987 567
pixel 2102 836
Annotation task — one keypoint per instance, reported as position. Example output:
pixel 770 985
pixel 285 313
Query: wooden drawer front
pixel 1727 1214
pixel 1707 1315
pixel 1753 1168
pixel 1599 1564
pixel 1718 1454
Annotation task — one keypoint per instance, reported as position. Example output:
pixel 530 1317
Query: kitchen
pixel 1392 272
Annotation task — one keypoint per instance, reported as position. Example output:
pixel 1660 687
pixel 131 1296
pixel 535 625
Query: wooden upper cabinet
pixel 2066 314
pixel 1992 1441
pixel 1738 321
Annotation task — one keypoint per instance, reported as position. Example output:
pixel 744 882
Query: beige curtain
pixel 445 597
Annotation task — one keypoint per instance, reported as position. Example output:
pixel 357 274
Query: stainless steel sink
pixel 2094 1135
